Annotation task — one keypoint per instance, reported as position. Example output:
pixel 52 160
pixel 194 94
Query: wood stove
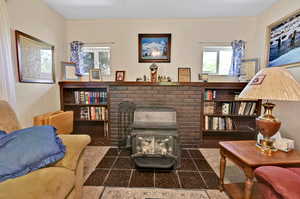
pixel 155 140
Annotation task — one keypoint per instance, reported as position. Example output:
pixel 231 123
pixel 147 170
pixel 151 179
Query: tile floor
pixel 94 154
pixel 118 170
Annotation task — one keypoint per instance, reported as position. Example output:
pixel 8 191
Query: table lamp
pixel 271 84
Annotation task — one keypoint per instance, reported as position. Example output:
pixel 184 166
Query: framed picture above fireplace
pixel 154 48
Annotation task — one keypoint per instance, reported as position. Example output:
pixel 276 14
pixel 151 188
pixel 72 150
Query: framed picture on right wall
pixel 283 41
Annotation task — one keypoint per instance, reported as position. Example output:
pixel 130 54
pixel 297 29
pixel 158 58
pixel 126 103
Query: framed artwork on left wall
pixel 35 59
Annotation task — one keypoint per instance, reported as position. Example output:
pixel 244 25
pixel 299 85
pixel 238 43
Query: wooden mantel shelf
pixel 213 85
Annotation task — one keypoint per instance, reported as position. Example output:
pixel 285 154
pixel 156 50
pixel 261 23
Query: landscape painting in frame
pixel 35 59
pixel 284 41
pixel 154 48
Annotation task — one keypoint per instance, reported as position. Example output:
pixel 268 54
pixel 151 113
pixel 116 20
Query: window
pixel 217 60
pixel 96 57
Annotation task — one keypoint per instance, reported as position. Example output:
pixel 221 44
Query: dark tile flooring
pixel 117 169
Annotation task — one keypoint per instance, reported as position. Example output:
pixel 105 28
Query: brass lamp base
pixel 268 126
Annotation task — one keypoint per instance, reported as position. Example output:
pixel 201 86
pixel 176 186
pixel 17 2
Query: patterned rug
pixel 151 193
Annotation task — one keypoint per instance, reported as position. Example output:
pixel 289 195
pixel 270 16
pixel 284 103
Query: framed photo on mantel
pixel 154 48
pixel 184 74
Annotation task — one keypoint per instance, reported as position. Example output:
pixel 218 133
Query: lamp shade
pixel 272 84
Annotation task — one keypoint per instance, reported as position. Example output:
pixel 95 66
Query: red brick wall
pixel 185 99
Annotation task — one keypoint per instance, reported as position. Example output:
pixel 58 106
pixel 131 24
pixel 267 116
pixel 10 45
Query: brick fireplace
pixel 186 100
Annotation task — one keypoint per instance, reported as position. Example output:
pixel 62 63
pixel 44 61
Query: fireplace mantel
pixel 222 85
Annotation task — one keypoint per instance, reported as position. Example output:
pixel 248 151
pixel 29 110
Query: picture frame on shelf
pixel 95 75
pixel 69 70
pixel 120 76
pixel 184 74
pixel 35 59
pixel 154 48
pixel 249 68
pixel 283 41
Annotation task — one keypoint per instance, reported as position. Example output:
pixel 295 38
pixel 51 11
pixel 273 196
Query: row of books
pixel 239 108
pixel 94 113
pixel 90 97
pixel 210 94
pixel 231 108
pixel 218 123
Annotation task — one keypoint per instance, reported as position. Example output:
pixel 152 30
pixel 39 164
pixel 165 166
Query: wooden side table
pixel 248 157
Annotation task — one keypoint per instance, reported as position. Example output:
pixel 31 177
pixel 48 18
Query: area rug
pixel 151 193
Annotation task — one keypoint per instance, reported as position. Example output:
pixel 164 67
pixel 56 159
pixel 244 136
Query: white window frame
pixel 216 49
pixel 96 50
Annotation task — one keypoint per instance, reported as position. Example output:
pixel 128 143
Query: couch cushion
pixel 8 118
pixel 46 183
pixel 29 149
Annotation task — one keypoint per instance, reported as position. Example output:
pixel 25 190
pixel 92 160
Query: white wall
pixel 186 35
pixel 287 112
pixel 35 18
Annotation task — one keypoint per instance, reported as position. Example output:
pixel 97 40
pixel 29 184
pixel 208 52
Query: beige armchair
pixel 62 180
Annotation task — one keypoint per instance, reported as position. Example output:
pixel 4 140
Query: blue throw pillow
pixel 2 133
pixel 29 149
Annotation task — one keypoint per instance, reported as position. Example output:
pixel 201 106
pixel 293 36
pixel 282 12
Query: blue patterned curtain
pixel 238 48
pixel 76 54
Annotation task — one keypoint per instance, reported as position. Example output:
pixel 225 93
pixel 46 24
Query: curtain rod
pixel 101 43
pixel 214 42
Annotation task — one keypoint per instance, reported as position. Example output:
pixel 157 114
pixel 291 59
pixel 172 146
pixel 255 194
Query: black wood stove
pixel 155 139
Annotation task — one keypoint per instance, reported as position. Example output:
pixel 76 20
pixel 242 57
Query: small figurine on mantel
pixel 153 69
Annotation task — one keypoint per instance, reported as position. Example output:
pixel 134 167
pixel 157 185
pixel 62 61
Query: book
pixel 209 108
pixel 215 123
pixel 242 108
pixel 206 123
pixel 84 113
pixel 247 108
pixel 253 108
pixel 88 97
pixel 226 108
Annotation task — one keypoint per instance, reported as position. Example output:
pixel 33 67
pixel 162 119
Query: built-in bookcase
pixel 225 117
pixel 90 106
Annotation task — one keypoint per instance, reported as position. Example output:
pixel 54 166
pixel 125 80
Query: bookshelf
pixel 90 105
pixel 225 117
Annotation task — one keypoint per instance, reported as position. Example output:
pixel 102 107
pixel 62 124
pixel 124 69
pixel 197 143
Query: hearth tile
pixel 195 153
pixel 191 180
pixel 166 180
pixel 211 180
pixel 118 178
pixel 112 152
pixel 142 178
pixel 125 153
pixel 187 165
pixel 203 165
pixel 106 162
pixel 96 178
pixel 123 163
pixel 185 154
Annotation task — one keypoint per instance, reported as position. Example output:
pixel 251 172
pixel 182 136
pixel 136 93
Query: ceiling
pixel 92 9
